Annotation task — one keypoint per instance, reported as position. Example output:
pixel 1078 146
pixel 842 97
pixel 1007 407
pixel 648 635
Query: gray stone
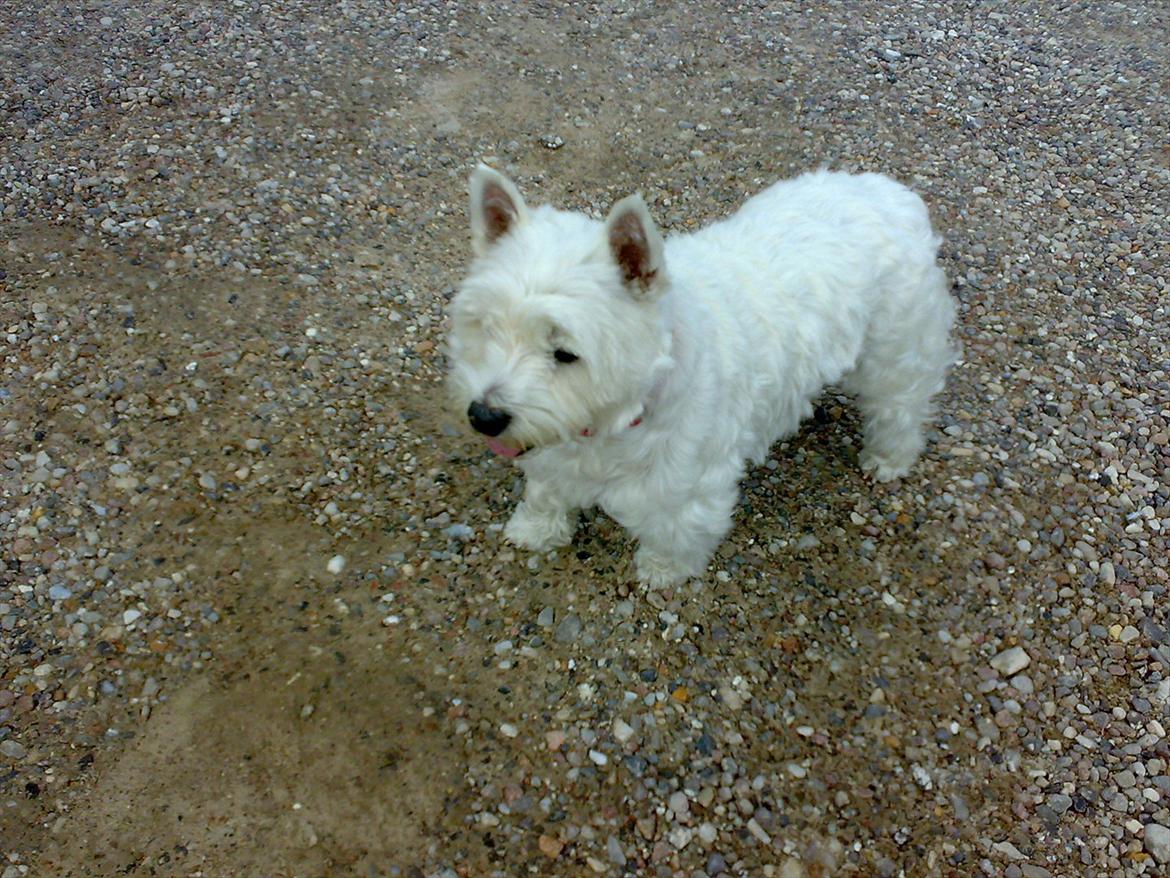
pixel 1009 850
pixel 613 850
pixel 1059 802
pixel 1158 842
pixel 1011 661
pixel 569 629
pixel 459 532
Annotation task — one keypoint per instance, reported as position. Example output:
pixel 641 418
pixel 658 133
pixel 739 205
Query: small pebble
pixel 1157 842
pixel 1011 661
pixel 569 629
pixel 622 731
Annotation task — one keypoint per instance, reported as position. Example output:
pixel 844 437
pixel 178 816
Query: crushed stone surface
pixel 256 612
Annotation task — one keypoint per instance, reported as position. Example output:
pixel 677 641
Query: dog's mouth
pixel 505 447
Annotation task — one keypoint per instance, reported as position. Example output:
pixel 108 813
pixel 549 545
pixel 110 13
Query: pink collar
pixel 655 391
pixel 634 423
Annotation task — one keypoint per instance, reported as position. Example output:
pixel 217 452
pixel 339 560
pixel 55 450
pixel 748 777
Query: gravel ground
pixel 256 614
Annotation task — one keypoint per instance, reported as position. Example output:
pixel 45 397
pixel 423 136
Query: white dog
pixel 621 370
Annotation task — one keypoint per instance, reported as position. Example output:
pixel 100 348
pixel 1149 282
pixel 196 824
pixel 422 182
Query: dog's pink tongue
pixel 501 449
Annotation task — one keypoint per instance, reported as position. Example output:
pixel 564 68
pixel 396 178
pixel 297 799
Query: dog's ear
pixel 496 207
pixel 635 245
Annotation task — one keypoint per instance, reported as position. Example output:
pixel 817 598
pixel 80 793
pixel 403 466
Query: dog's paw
pixel 538 533
pixel 882 468
pixel 655 571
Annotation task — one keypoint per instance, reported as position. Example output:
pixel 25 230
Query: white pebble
pixel 1011 661
pixel 758 831
pixel 336 564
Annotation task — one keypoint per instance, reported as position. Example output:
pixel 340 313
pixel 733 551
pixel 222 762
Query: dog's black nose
pixel 489 421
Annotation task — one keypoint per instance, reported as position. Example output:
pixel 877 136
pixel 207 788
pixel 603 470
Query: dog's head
pixel 557 331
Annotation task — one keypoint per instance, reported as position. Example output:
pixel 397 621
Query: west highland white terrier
pixel 638 374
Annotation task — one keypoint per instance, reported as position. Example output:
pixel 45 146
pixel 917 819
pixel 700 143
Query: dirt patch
pixel 300 751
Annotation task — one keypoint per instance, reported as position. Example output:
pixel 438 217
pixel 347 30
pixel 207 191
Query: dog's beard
pixel 536 421
pixel 533 426
pixel 540 419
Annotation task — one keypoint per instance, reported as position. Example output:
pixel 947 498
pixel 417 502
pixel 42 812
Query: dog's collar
pixel 652 396
pixel 634 423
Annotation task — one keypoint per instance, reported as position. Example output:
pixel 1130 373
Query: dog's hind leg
pixel 902 366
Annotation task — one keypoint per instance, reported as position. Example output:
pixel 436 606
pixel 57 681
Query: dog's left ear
pixel 496 207
pixel 635 245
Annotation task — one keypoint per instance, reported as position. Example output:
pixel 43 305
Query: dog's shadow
pixel 807 484
pixel 817 463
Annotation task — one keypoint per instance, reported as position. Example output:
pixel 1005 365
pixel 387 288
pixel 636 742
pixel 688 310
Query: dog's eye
pixel 563 356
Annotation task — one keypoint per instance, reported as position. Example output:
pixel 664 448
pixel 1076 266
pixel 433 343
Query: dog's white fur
pixel 695 353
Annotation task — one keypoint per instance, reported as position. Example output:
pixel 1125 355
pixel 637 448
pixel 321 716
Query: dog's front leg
pixel 544 519
pixel 678 540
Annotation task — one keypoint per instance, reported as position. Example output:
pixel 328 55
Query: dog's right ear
pixel 496 207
